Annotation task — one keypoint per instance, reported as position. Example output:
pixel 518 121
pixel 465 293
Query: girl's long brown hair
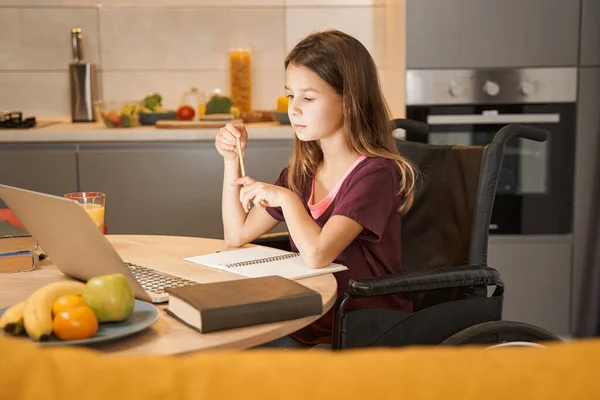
pixel 346 65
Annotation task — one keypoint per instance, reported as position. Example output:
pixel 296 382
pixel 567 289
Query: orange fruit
pixel 75 323
pixel 63 303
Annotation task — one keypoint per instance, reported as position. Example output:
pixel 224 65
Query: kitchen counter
pixel 62 130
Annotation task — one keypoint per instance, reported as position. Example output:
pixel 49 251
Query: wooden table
pixel 168 336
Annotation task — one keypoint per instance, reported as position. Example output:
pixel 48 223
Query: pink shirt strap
pixel 316 210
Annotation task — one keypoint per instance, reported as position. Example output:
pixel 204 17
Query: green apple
pixel 110 297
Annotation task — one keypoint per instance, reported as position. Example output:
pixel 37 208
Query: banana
pixel 11 322
pixel 37 315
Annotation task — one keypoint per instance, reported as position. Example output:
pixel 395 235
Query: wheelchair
pixel 457 298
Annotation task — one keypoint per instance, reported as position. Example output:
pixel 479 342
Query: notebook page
pixel 291 268
pixel 220 259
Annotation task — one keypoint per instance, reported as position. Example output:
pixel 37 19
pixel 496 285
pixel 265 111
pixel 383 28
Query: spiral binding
pixel 262 260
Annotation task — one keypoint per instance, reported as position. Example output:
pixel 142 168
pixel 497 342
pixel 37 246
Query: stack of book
pixel 16 248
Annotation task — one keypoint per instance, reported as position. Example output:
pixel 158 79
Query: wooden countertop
pixel 62 130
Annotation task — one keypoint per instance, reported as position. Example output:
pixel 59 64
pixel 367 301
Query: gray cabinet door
pixel 536 272
pixel 590 33
pixel 168 188
pixel 588 135
pixel 46 168
pixel 491 33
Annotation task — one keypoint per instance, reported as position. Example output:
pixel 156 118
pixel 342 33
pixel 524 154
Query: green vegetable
pixel 152 103
pixel 126 121
pixel 218 105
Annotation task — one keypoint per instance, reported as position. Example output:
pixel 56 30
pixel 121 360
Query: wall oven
pixel 467 107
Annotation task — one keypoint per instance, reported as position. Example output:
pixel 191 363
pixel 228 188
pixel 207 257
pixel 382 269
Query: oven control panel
pixel 527 85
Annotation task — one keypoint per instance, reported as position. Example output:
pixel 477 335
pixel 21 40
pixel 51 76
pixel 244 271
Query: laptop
pixel 78 249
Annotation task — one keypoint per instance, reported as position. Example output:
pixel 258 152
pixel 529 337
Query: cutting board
pixel 174 124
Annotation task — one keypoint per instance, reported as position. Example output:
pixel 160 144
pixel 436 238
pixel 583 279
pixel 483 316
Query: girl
pixel 345 186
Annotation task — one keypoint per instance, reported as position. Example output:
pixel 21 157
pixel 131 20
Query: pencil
pixel 241 157
pixel 243 168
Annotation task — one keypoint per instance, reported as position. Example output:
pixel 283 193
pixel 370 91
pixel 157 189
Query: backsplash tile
pixel 144 3
pixel 189 39
pixel 40 38
pixel 392 91
pixel 337 3
pixel 48 3
pixel 198 3
pixel 146 46
pixel 171 85
pixel 364 23
pixel 35 93
pixel 267 85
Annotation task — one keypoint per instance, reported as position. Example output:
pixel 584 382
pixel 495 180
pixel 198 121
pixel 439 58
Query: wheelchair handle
pixel 526 132
pixel 412 126
pixel 488 182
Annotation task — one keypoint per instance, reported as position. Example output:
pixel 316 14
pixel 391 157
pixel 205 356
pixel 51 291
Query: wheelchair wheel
pixel 500 332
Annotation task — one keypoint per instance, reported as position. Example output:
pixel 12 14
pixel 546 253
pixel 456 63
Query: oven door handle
pixel 474 119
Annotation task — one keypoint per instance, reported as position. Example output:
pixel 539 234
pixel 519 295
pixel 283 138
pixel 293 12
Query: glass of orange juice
pixel 94 203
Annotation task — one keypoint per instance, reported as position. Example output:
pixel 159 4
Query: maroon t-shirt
pixel 368 196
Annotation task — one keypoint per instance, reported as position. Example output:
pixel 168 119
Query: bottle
pixel 82 82
pixel 240 78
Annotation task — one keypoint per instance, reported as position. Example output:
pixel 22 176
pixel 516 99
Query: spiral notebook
pixel 262 261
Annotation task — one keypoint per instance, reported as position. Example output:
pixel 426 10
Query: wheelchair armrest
pixel 424 280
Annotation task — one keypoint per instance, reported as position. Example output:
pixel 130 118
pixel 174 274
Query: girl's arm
pixel 239 227
pixel 319 247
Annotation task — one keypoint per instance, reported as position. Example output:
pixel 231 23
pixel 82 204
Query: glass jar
pixel 240 78
pixel 194 98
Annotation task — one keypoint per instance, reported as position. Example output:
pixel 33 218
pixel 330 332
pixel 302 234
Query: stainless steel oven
pixel 467 107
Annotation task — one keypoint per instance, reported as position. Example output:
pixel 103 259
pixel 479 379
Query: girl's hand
pixel 260 193
pixel 226 140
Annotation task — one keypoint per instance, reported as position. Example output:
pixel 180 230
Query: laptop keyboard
pixel 154 281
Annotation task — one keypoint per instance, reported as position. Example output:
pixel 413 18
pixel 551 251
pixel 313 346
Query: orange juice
pixel 93 203
pixel 96 213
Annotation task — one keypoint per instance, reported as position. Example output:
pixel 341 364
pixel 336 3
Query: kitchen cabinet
pixel 492 33
pixel 169 188
pixel 536 272
pixel 590 33
pixel 45 167
pixel 586 159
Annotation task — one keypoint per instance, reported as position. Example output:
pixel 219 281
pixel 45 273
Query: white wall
pixel 146 46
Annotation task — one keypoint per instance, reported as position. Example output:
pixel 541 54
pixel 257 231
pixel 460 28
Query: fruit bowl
pixel 118 114
pixel 71 312
pixel 151 118
pixel 143 316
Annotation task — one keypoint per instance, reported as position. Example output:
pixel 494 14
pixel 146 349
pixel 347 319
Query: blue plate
pixel 143 316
